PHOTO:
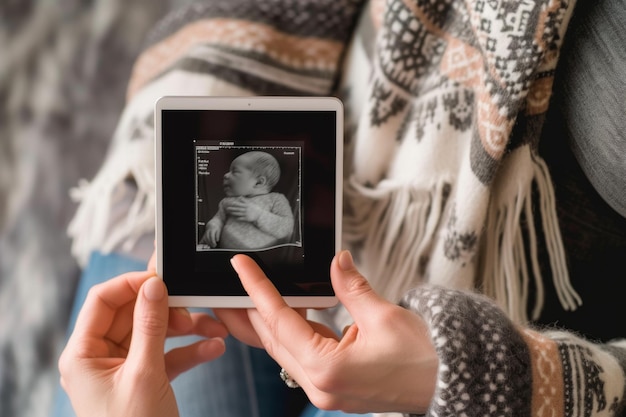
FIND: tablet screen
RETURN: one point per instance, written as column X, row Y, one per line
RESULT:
column 259, row 178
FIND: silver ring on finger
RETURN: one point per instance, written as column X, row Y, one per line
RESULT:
column 288, row 380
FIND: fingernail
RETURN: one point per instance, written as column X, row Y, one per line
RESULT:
column 153, row 289
column 233, row 262
column 345, row 260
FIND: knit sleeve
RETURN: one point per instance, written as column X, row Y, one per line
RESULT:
column 492, row 367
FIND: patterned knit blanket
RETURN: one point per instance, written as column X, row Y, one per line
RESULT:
column 442, row 173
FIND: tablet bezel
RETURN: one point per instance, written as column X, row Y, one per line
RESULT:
column 273, row 103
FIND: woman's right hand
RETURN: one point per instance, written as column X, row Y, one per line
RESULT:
column 385, row 361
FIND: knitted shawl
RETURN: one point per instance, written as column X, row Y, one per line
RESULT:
column 445, row 191
column 444, row 157
column 441, row 162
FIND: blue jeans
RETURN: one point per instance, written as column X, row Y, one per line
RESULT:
column 244, row 382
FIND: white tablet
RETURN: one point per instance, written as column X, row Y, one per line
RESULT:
column 254, row 175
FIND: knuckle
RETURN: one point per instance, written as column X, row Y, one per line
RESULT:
column 269, row 344
column 357, row 284
column 151, row 323
column 272, row 319
column 63, row 364
column 63, row 384
column 71, row 359
column 94, row 291
column 76, row 349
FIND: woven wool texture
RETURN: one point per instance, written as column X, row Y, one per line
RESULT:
column 489, row 366
column 443, row 156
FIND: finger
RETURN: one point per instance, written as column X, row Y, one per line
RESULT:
column 150, row 321
column 152, row 262
column 182, row 359
column 207, row 326
column 286, row 326
column 181, row 323
column 238, row 324
column 279, row 352
column 263, row 331
column 353, row 290
column 296, row 367
column 104, row 300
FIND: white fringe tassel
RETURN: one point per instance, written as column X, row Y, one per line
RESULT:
column 568, row 296
column 94, row 226
column 506, row 257
column 390, row 228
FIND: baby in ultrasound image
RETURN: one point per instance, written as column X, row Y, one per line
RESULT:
column 251, row 216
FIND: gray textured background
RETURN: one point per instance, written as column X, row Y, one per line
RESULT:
column 64, row 66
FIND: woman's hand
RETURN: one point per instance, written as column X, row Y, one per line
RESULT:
column 385, row 361
column 114, row 363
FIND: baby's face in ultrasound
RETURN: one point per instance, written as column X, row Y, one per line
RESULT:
column 240, row 180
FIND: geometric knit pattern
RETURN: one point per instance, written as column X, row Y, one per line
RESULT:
column 498, row 57
column 484, row 362
column 490, row 367
column 585, row 392
column 273, row 47
column 445, row 149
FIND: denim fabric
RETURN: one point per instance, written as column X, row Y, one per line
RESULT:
column 99, row 269
column 242, row 383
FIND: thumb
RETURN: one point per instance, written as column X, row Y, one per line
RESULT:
column 150, row 319
column 352, row 289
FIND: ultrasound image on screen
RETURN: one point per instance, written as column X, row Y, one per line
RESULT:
column 257, row 182
column 247, row 196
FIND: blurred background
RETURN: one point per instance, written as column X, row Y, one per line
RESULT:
column 64, row 67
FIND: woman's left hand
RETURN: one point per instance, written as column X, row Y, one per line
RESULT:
column 385, row 361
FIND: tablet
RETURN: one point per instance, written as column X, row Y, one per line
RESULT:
column 255, row 175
